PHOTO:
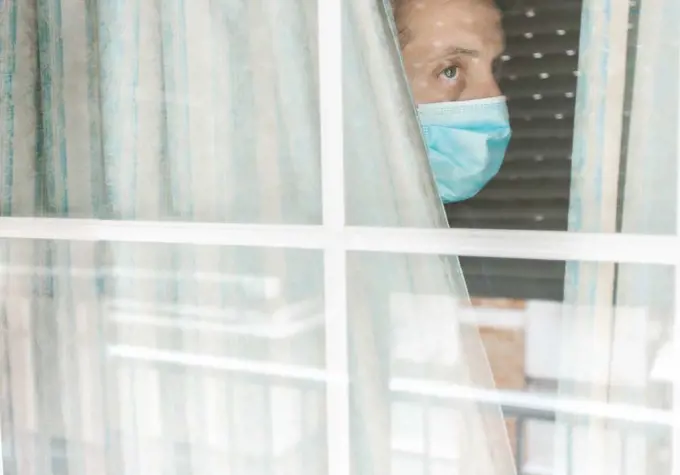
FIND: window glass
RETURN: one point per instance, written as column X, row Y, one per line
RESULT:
column 161, row 359
column 593, row 147
column 155, row 358
column 186, row 111
column 579, row 385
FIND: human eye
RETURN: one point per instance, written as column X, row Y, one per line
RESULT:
column 450, row 73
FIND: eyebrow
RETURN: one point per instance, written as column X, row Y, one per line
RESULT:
column 458, row 51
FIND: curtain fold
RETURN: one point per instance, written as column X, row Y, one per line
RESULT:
column 393, row 167
column 148, row 359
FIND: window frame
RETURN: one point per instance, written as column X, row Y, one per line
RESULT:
column 336, row 239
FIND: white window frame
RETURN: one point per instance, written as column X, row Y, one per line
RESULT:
column 675, row 341
column 676, row 322
column 335, row 239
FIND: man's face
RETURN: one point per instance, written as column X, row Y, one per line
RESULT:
column 451, row 49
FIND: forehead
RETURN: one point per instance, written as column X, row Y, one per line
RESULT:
column 469, row 24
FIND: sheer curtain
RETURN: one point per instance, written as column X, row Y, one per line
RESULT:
column 163, row 358
column 619, row 317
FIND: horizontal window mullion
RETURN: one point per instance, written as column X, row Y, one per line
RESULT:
column 511, row 244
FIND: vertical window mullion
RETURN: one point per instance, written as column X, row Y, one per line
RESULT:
column 675, row 344
column 335, row 258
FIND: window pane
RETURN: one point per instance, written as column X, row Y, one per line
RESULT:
column 153, row 359
column 594, row 125
column 191, row 110
column 406, row 347
column 580, row 386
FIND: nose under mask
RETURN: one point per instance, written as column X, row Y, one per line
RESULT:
column 466, row 143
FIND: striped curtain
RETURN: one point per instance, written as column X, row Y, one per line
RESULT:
column 172, row 359
column 623, row 180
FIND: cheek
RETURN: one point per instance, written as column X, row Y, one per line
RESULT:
column 446, row 90
column 413, row 67
column 416, row 79
column 425, row 92
column 422, row 90
column 421, row 84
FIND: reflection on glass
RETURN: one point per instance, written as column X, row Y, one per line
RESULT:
column 579, row 386
column 143, row 359
column 431, row 370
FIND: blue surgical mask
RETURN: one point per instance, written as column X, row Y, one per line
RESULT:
column 466, row 143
